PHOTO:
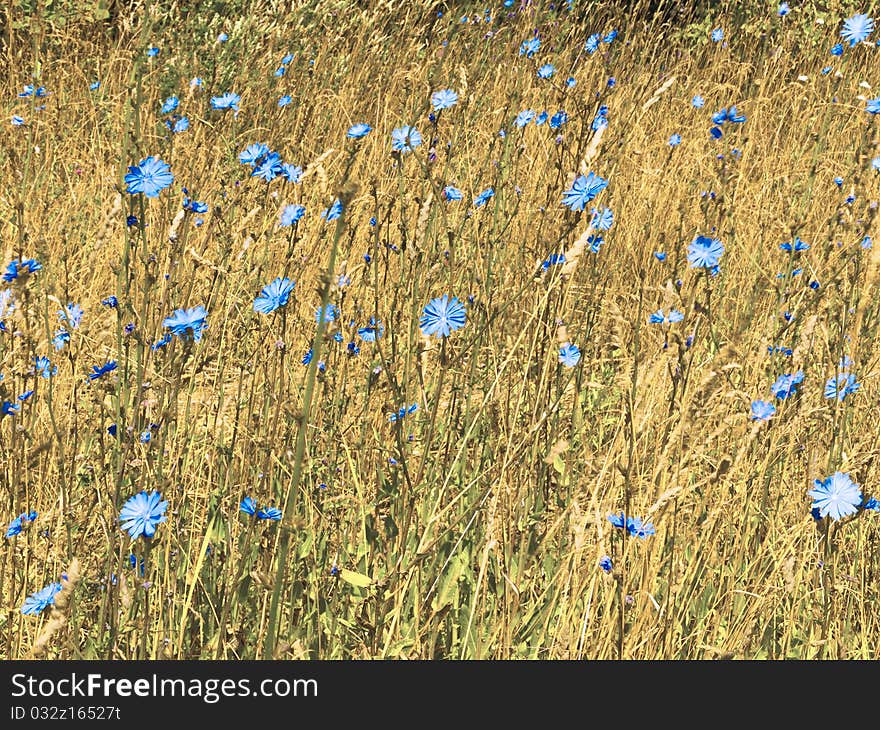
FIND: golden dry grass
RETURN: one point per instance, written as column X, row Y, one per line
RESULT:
column 472, row 528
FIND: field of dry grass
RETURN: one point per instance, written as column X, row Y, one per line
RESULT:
column 476, row 525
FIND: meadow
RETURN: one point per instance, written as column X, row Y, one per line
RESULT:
column 425, row 330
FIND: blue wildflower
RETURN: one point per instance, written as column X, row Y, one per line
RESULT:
column 705, row 252
column 187, row 323
column 273, row 295
column 443, row 99
column 329, row 313
column 452, row 193
column 39, row 601
column 101, row 370
column 841, row 385
column 442, row 316
column 229, row 100
column 569, row 355
column 762, row 410
column 583, row 190
column 358, row 131
column 481, row 199
column 17, row 269
column 292, row 214
column 786, row 385
column 142, row 513
column 252, row 153
column 149, row 177
column 405, row 139
column 836, row 496
column 659, row 317
column 857, row 29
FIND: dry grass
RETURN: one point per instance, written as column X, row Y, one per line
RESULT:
column 473, row 527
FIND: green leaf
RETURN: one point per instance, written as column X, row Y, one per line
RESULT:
column 356, row 579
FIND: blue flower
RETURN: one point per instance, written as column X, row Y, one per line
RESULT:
column 592, row 44
column 170, row 104
column 583, row 190
column 443, row 99
column 273, row 295
column 786, row 385
column 72, row 313
column 269, row 513
column 554, row 259
column 569, row 355
column 481, row 199
column 762, row 410
column 101, row 370
column 269, row 167
column 836, row 496
column 558, row 119
column 291, row 173
column 660, row 318
column 330, row 313
column 61, row 338
column 142, row 513
column 841, row 385
column 529, row 48
column 541, row 118
column 442, row 316
column 292, row 214
column 546, row 71
column 783, row 10
column 605, row 563
column 252, row 153
column 159, row 344
column 248, row 506
column 37, row 602
column 404, row 411
column 94, row 86
column 873, row 106
column 44, row 368
column 452, row 193
column 149, row 176
column 697, row 102
column 799, row 245
column 18, row 268
column 602, row 220
column 675, row 140
column 635, row 526
column 16, row 526
column 371, row 332
column 229, row 100
column 334, row 211
column 8, row 408
column 358, row 131
column 705, row 252
column 187, row 323
column 283, row 101
column 857, row 29
column 405, row 139
column 717, row 35
column 836, row 50
column 523, row 118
